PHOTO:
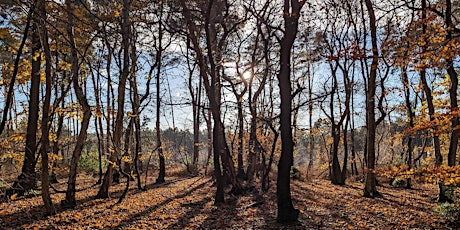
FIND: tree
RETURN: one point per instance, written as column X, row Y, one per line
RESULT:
column 291, row 15
column 27, row 179
column 339, row 58
column 209, row 71
column 81, row 97
column 195, row 95
column 454, row 109
column 261, row 41
column 370, row 188
column 118, row 132
column 45, row 126
column 159, row 56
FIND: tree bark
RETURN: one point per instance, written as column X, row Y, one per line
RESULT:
column 118, row 131
column 27, row 179
column 453, row 146
column 162, row 170
column 370, row 189
column 69, row 201
column 410, row 113
column 45, row 145
column 212, row 83
column 286, row 210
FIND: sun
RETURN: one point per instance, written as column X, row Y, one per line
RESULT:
column 247, row 75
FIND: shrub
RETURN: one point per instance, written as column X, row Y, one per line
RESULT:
column 399, row 183
column 89, row 162
column 295, row 173
column 449, row 211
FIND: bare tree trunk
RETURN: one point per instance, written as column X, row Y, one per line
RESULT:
column 212, row 83
column 126, row 172
column 266, row 174
column 69, row 201
column 45, row 146
column 240, row 173
column 98, row 121
column 453, row 146
column 311, row 137
column 286, row 210
column 255, row 147
column 126, row 35
column 27, row 180
column 207, row 119
column 410, row 113
column 162, row 170
column 370, row 189
column 196, row 102
column 136, row 104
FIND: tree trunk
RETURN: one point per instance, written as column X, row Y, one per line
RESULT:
column 126, row 170
column 27, row 180
column 45, row 145
column 212, row 83
column 453, row 146
column 136, row 104
column 118, row 131
column 27, row 177
column 162, row 170
column 196, row 125
column 255, row 148
column 286, row 210
column 240, row 173
column 370, row 189
column 311, row 137
column 69, row 201
column 213, row 88
column 336, row 173
column 98, row 121
column 207, row 119
column 10, row 92
column 410, row 113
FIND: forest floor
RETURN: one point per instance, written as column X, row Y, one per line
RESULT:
column 187, row 203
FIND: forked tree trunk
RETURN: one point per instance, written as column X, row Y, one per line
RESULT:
column 213, row 87
column 118, row 131
column 45, row 146
column 212, row 82
column 69, row 201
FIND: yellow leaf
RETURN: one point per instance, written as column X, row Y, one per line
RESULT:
column 126, row 159
column 3, row 32
column 13, row 197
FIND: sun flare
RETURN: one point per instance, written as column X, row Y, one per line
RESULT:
column 247, row 75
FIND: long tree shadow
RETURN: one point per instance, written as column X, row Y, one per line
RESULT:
column 137, row 216
column 33, row 214
column 134, row 190
column 193, row 209
column 335, row 207
column 220, row 216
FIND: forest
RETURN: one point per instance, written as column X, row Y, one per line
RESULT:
column 217, row 114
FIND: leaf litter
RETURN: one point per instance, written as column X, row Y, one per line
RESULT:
column 187, row 203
